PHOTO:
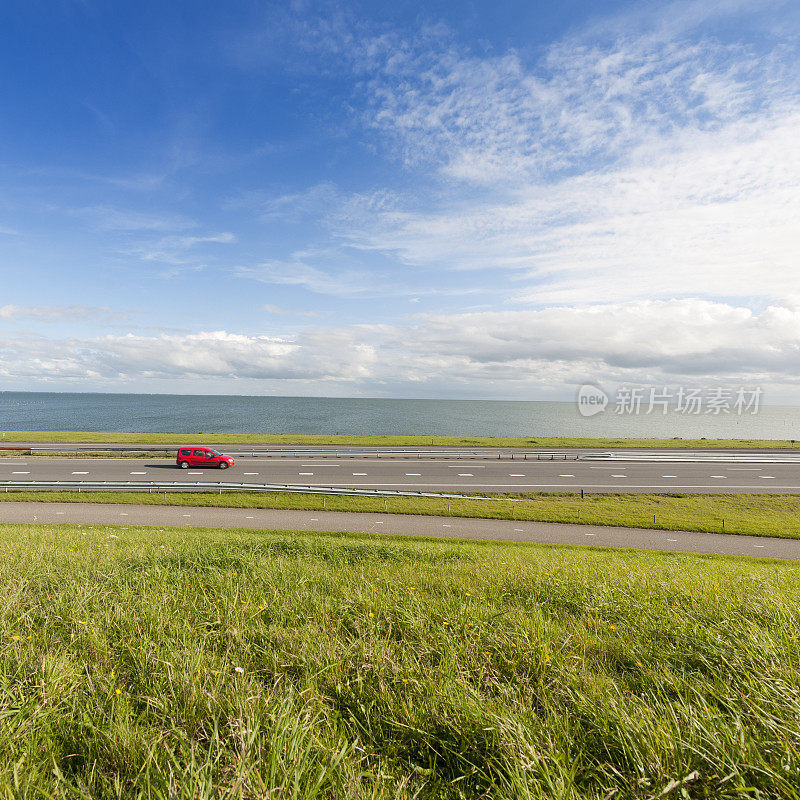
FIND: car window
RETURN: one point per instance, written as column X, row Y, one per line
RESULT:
column 186, row 452
column 198, row 454
column 209, row 454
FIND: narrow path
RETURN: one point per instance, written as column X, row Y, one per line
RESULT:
column 401, row 524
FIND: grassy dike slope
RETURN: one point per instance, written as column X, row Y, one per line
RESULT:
column 196, row 664
column 97, row 437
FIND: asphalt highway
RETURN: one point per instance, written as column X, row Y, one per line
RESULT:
column 496, row 471
column 435, row 472
column 400, row 524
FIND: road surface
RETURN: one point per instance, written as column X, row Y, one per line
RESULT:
column 451, row 470
column 401, row 524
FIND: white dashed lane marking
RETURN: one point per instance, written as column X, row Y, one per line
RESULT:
column 251, row 473
column 465, row 475
column 516, row 475
column 305, row 473
column 138, row 473
column 719, row 476
column 359, row 473
column 408, row 474
column 80, row 473
column 669, row 476
column 20, row 473
column 619, row 476
column 566, row 476
column 769, row 477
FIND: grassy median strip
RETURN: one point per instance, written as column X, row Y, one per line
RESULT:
column 144, row 662
column 753, row 514
column 97, row 437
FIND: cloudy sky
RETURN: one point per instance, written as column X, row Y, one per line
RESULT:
column 439, row 199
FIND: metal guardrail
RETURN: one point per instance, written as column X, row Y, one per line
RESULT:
column 695, row 458
column 219, row 487
column 456, row 455
column 544, row 455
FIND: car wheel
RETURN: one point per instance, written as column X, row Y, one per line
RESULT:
column 184, row 465
column 223, row 465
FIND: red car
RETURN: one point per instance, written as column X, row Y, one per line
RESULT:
column 202, row 457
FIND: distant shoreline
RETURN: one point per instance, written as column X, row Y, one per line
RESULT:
column 386, row 440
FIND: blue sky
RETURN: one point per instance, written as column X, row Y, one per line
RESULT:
column 422, row 200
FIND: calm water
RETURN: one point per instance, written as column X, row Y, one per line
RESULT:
column 195, row 414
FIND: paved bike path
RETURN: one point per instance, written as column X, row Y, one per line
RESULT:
column 400, row 524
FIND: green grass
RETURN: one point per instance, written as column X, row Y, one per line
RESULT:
column 753, row 514
column 387, row 668
column 96, row 437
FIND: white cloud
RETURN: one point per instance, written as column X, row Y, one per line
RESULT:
column 273, row 309
column 73, row 313
column 333, row 356
column 655, row 164
column 288, row 207
column 176, row 250
column 109, row 218
column 519, row 354
column 342, row 283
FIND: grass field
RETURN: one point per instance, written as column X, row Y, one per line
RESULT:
column 95, row 437
column 196, row 664
column 753, row 514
